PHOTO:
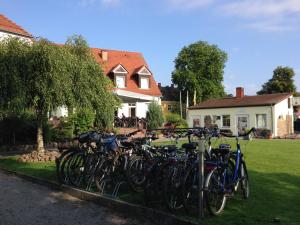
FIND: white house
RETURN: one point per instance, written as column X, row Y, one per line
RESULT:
column 10, row 29
column 270, row 111
column 134, row 81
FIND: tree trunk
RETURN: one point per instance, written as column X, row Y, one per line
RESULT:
column 40, row 138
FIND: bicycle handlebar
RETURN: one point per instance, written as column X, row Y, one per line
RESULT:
column 252, row 130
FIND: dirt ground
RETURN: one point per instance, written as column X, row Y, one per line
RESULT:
column 25, row 203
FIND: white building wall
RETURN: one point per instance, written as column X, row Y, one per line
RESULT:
column 4, row 35
column 281, row 109
column 233, row 112
column 123, row 110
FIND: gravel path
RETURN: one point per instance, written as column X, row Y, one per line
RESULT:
column 25, row 203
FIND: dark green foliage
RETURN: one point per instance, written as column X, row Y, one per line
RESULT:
column 176, row 120
column 281, row 82
column 200, row 67
column 83, row 120
column 64, row 131
column 21, row 128
column 154, row 116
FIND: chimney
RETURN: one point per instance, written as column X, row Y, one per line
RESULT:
column 239, row 92
column 104, row 55
column 159, row 85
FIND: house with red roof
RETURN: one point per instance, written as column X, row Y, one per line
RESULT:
column 273, row 112
column 10, row 29
column 134, row 82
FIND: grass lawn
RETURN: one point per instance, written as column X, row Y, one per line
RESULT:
column 274, row 170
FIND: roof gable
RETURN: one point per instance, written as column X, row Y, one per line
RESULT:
column 246, row 101
column 119, row 69
column 144, row 71
column 9, row 26
column 132, row 62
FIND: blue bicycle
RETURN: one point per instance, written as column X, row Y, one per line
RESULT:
column 229, row 174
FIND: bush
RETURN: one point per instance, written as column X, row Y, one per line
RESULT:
column 175, row 120
column 82, row 120
column 64, row 131
column 20, row 128
column 154, row 116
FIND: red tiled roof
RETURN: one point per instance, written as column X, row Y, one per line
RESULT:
column 10, row 27
column 131, row 61
column 246, row 101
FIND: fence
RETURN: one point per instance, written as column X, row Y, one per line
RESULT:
column 130, row 122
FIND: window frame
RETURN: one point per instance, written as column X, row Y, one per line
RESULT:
column 222, row 117
column 266, row 120
column 124, row 79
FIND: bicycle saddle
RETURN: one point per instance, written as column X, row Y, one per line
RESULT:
column 190, row 146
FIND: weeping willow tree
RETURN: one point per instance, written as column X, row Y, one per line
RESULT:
column 43, row 76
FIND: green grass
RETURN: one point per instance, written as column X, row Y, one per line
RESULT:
column 274, row 170
column 45, row 170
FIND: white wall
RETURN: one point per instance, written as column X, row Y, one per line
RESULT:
column 4, row 35
column 141, row 108
column 60, row 112
column 281, row 110
column 233, row 112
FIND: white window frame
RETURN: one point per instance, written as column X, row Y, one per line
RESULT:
column 266, row 120
column 148, row 82
column 223, row 121
column 124, row 81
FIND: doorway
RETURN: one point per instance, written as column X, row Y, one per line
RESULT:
column 242, row 123
column 132, row 110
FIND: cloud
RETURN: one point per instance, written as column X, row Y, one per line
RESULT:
column 265, row 15
column 188, row 4
column 107, row 3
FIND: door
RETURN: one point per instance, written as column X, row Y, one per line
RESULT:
column 132, row 109
column 132, row 112
column 242, row 123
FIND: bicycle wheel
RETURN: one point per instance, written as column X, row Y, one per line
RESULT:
column 136, row 174
column 75, row 169
column 190, row 191
column 172, row 188
column 244, row 183
column 214, row 195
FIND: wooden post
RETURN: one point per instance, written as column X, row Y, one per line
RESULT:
column 201, row 179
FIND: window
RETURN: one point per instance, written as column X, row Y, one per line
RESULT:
column 261, row 120
column 169, row 108
column 226, row 120
column 120, row 81
column 144, row 82
column 196, row 122
column 289, row 103
column 215, row 118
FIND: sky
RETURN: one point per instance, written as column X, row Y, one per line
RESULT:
column 258, row 35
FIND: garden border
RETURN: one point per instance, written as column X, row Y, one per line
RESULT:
column 127, row 209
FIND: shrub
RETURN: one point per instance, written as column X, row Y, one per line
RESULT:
column 176, row 120
column 154, row 116
column 20, row 128
column 64, row 131
column 82, row 120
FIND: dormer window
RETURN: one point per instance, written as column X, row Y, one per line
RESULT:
column 144, row 77
column 144, row 82
column 120, row 75
column 120, row 81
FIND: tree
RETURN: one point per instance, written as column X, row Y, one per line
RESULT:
column 154, row 116
column 281, row 82
column 43, row 76
column 200, row 67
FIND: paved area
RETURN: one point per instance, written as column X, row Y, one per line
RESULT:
column 25, row 203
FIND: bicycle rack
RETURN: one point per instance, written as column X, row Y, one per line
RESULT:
column 116, row 189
